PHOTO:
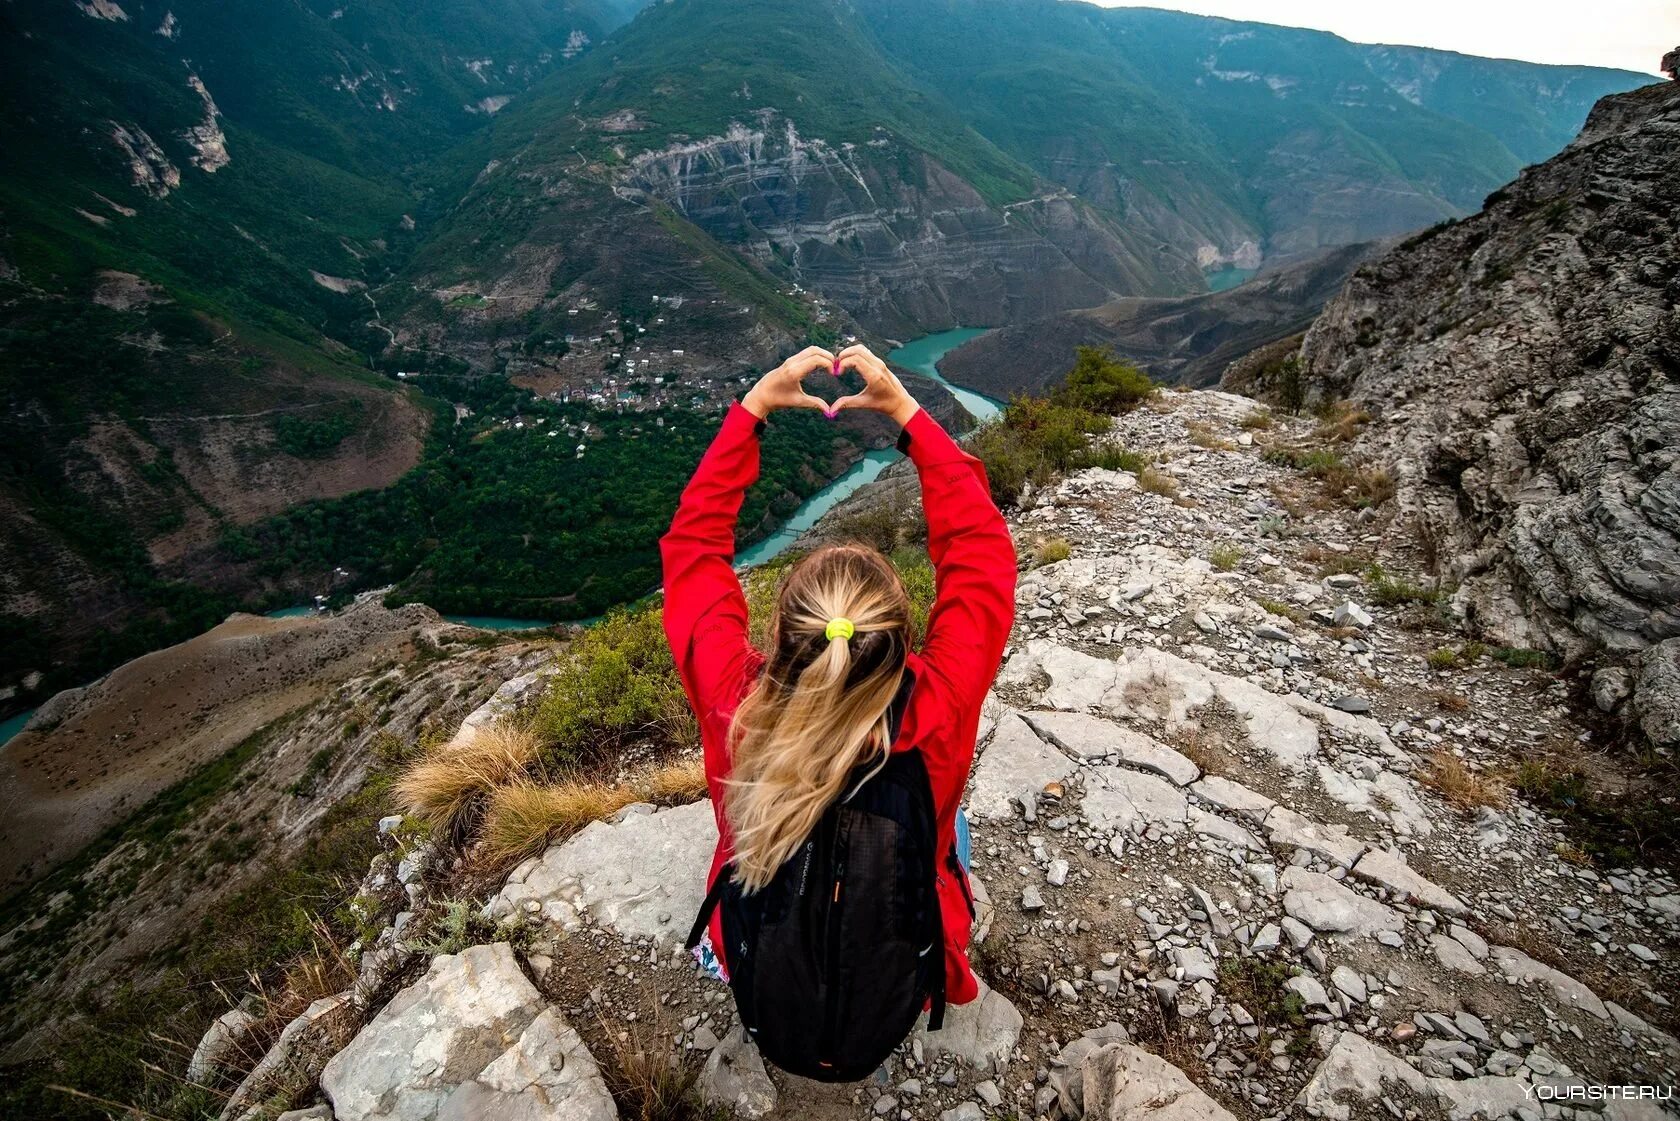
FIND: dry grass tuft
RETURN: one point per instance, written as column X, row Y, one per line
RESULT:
column 448, row 788
column 1258, row 419
column 682, row 780
column 1158, row 482
column 1342, row 422
column 1468, row 789
column 646, row 1076
column 1050, row 550
column 1448, row 701
column 524, row 816
column 1202, row 435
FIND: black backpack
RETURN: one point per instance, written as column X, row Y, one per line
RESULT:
column 833, row 960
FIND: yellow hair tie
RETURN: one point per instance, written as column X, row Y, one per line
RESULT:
column 839, row 628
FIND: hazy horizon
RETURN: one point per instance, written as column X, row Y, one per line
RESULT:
column 1624, row 34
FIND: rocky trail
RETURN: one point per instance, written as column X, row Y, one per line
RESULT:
column 1227, row 835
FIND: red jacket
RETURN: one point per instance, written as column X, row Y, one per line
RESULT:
column 974, row 606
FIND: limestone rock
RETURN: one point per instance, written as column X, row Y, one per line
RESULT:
column 222, row 1038
column 546, row 1075
column 643, row 876
column 734, row 1077
column 1228, row 794
column 1520, row 967
column 1123, row 1082
column 1118, row 799
column 981, row 1033
column 434, row 1036
column 1535, row 428
column 1015, row 761
column 1290, row 829
column 1383, row 867
column 1356, row 1069
column 1089, row 737
column 1329, row 908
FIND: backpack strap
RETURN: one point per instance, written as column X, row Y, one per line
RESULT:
column 936, row 1009
column 713, row 895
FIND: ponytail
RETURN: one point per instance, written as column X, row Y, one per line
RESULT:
column 820, row 709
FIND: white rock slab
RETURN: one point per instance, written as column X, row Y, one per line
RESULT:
column 1358, row 1069
column 1123, row 1082
column 435, row 1035
column 1290, row 829
column 643, row 876
column 1329, row 908
column 548, row 1075
column 1229, row 794
column 1520, row 967
column 1091, row 737
column 1015, row 760
column 1453, row 955
column 1380, row 866
column 1119, row 800
column 1212, row 825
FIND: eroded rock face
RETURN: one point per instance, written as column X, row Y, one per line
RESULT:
column 1521, row 367
column 890, row 234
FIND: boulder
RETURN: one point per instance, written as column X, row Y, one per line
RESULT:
column 1326, row 906
column 546, row 1075
column 1015, row 761
column 643, row 876
column 734, row 1078
column 981, row 1033
column 1117, row 799
column 445, row 1030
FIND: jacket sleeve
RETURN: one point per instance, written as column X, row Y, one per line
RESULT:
column 705, row 610
column 973, row 566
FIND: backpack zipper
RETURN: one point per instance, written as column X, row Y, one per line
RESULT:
column 831, row 956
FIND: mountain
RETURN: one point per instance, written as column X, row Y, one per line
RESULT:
column 194, row 200
column 1187, row 340
column 1521, row 368
column 296, row 297
column 977, row 161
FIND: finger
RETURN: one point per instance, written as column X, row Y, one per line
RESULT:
column 807, row 401
column 850, row 401
column 807, row 362
column 871, row 367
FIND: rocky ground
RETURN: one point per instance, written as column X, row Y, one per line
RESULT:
column 1232, row 869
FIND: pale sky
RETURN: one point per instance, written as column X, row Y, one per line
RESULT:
column 1627, row 34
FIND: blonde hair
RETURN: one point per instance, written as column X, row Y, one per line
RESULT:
column 820, row 708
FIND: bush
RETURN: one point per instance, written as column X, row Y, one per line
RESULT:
column 1032, row 442
column 1102, row 383
column 1225, row 556
column 1518, row 658
column 616, row 681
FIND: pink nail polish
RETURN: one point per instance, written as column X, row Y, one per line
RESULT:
column 829, row 413
column 836, row 369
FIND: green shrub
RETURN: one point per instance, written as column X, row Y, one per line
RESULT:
column 1395, row 590
column 1225, row 556
column 1033, row 441
column 1519, row 658
column 616, row 680
column 1102, row 383
column 1112, row 457
column 1444, row 657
